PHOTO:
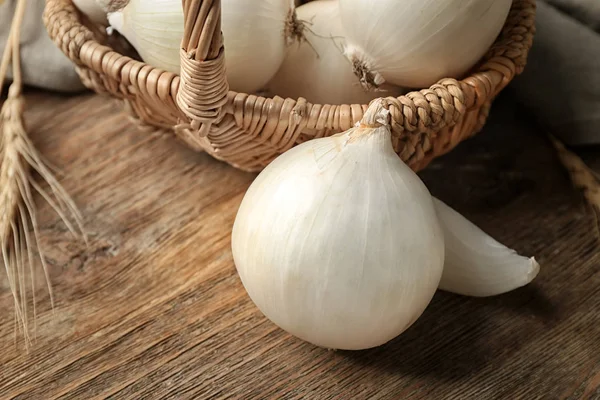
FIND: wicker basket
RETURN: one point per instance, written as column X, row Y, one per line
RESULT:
column 248, row 131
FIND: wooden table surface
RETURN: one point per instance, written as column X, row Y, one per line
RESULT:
column 154, row 309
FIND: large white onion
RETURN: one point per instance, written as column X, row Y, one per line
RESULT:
column 414, row 43
column 316, row 68
column 337, row 241
column 254, row 35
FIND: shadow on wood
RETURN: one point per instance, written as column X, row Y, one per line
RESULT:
column 448, row 344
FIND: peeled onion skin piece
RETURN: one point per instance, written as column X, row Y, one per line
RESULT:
column 476, row 264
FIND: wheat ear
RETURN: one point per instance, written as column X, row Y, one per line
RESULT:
column 582, row 177
column 19, row 230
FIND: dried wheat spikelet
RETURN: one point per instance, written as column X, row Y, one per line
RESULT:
column 581, row 175
column 19, row 231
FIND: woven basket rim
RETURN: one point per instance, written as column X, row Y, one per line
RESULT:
column 480, row 66
column 426, row 111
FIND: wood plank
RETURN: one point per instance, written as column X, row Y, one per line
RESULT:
column 153, row 307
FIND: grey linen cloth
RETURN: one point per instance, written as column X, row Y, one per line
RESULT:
column 586, row 11
column 561, row 83
column 42, row 63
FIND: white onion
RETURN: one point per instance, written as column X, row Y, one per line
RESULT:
column 316, row 68
column 414, row 43
column 337, row 241
column 253, row 30
column 154, row 28
column 255, row 42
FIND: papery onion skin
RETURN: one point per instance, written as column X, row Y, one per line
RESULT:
column 316, row 68
column 253, row 32
column 415, row 43
column 254, row 47
column 338, row 243
column 154, row 28
column 475, row 263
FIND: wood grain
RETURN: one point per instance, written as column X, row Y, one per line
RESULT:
column 153, row 308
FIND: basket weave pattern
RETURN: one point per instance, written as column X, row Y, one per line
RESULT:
column 249, row 131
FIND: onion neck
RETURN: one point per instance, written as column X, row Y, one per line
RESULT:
column 375, row 121
column 293, row 31
column 362, row 66
column 377, row 115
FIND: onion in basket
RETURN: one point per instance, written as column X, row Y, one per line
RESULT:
column 315, row 68
column 414, row 43
column 253, row 30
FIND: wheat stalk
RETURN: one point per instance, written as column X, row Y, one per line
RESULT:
column 19, row 230
column 582, row 177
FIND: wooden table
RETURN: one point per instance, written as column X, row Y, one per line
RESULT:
column 154, row 309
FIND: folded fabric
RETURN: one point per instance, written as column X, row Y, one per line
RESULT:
column 43, row 64
column 586, row 11
column 561, row 83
